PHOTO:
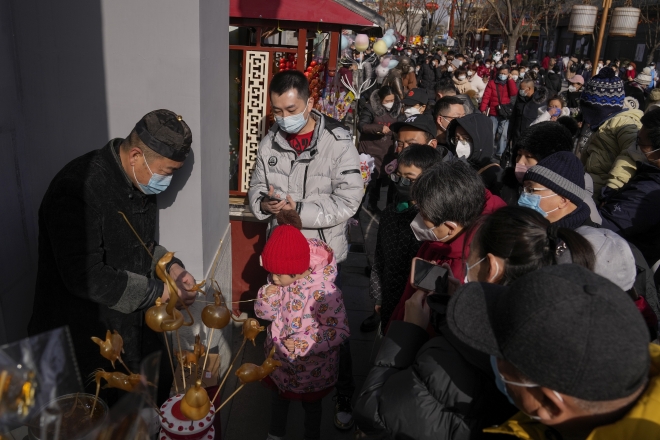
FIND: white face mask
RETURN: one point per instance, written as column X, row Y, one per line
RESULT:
column 450, row 69
column 389, row 105
column 470, row 73
column 460, row 63
column 463, row 149
column 411, row 111
column 488, row 65
column 572, row 89
column 522, row 93
column 468, row 268
column 498, row 65
column 423, row 232
column 461, row 78
column 522, row 74
column 514, row 77
column 442, row 63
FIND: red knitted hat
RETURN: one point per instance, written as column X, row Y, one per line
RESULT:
column 287, row 250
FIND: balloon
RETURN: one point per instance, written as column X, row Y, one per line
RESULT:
column 389, row 40
column 344, row 42
column 380, row 47
column 381, row 71
column 385, row 61
column 392, row 64
column 361, row 42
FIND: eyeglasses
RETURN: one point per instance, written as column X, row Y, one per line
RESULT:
column 403, row 180
column 450, row 118
column 532, row 190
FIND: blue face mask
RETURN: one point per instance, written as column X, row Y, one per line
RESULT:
column 498, row 379
column 156, row 185
column 533, row 201
column 292, row 124
column 503, row 77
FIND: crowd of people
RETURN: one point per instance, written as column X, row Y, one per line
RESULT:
column 514, row 91
column 547, row 325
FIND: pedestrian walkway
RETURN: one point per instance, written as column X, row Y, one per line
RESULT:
column 248, row 415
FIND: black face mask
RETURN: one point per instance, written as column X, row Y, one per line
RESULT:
column 403, row 191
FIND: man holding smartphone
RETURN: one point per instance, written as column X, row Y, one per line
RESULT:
column 307, row 162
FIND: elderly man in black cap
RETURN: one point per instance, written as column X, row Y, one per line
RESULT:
column 569, row 349
column 94, row 273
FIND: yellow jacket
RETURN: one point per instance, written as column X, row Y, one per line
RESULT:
column 604, row 146
column 641, row 423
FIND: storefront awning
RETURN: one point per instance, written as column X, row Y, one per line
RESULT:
column 348, row 12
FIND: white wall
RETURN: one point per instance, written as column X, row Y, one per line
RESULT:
column 76, row 73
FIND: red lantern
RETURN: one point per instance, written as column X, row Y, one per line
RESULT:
column 432, row 6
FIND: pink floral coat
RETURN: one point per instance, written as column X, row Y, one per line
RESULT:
column 311, row 311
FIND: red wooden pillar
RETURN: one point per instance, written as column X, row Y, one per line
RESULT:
column 334, row 48
column 302, row 49
column 451, row 18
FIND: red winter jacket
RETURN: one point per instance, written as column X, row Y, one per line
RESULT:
column 490, row 100
column 450, row 253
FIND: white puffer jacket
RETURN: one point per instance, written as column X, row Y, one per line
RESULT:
column 544, row 116
column 325, row 180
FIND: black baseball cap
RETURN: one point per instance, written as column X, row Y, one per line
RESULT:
column 420, row 122
column 562, row 326
column 416, row 96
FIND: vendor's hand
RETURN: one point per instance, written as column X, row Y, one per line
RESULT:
column 378, row 308
column 289, row 204
column 270, row 205
column 270, row 290
column 386, row 129
column 289, row 344
column 184, row 282
column 418, row 311
column 452, row 282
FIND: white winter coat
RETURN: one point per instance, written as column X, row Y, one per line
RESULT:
column 325, row 180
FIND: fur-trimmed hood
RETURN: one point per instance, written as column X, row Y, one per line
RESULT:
column 378, row 109
column 540, row 95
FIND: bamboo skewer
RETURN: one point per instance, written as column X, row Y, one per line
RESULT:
column 169, row 355
column 229, row 369
column 209, row 338
column 228, row 398
column 183, row 374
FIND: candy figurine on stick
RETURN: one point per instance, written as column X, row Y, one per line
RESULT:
column 112, row 347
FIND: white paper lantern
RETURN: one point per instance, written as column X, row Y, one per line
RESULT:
column 487, row 37
column 624, row 21
column 477, row 37
column 583, row 19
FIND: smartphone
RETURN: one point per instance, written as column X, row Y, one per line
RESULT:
column 265, row 194
column 428, row 276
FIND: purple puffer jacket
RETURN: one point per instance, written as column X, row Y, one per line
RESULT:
column 311, row 311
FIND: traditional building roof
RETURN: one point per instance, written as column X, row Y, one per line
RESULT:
column 348, row 12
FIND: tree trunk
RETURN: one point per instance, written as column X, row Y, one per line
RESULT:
column 511, row 43
column 651, row 56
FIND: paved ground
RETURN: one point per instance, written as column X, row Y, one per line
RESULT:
column 249, row 412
